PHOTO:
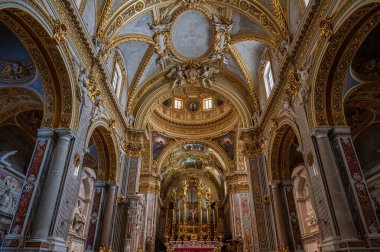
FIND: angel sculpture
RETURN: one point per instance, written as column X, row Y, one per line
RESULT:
column 178, row 72
column 207, row 75
column 83, row 82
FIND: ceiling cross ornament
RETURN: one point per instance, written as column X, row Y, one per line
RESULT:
column 199, row 67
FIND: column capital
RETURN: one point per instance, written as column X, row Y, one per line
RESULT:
column 45, row 133
column 321, row 131
column 253, row 142
column 275, row 183
column 287, row 183
column 343, row 131
column 65, row 134
column 149, row 183
column 237, row 182
column 111, row 183
column 134, row 142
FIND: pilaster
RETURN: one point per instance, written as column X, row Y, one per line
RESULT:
column 241, row 205
column 41, row 238
column 136, row 205
column 150, row 188
column 30, row 195
column 335, row 220
column 351, row 174
column 262, row 219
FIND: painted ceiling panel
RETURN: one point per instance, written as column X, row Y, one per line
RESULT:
column 133, row 52
column 243, row 25
column 139, row 25
column 151, row 69
column 250, row 52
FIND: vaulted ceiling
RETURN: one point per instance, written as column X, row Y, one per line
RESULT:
column 193, row 44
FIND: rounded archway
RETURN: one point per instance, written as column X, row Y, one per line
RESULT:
column 36, row 92
column 334, row 67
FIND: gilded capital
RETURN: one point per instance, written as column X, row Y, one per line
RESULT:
column 253, row 143
column 149, row 183
column 237, row 182
column 134, row 142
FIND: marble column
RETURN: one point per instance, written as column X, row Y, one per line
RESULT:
column 279, row 213
column 105, row 236
column 31, row 188
column 362, row 210
column 50, row 192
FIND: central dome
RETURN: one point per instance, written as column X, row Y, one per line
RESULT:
column 191, row 34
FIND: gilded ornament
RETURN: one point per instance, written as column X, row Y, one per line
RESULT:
column 59, row 31
column 139, row 6
column 266, row 199
column 326, row 29
column 121, row 199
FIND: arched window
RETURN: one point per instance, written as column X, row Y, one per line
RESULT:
column 306, row 2
column 268, row 78
column 117, row 79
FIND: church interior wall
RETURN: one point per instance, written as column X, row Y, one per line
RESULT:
column 189, row 148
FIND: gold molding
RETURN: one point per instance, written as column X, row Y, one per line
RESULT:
column 130, row 37
column 252, row 37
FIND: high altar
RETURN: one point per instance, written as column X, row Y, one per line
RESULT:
column 192, row 218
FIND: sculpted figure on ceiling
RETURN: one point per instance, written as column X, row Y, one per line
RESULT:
column 201, row 70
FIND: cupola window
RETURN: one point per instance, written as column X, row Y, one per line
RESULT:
column 207, row 103
column 177, row 104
